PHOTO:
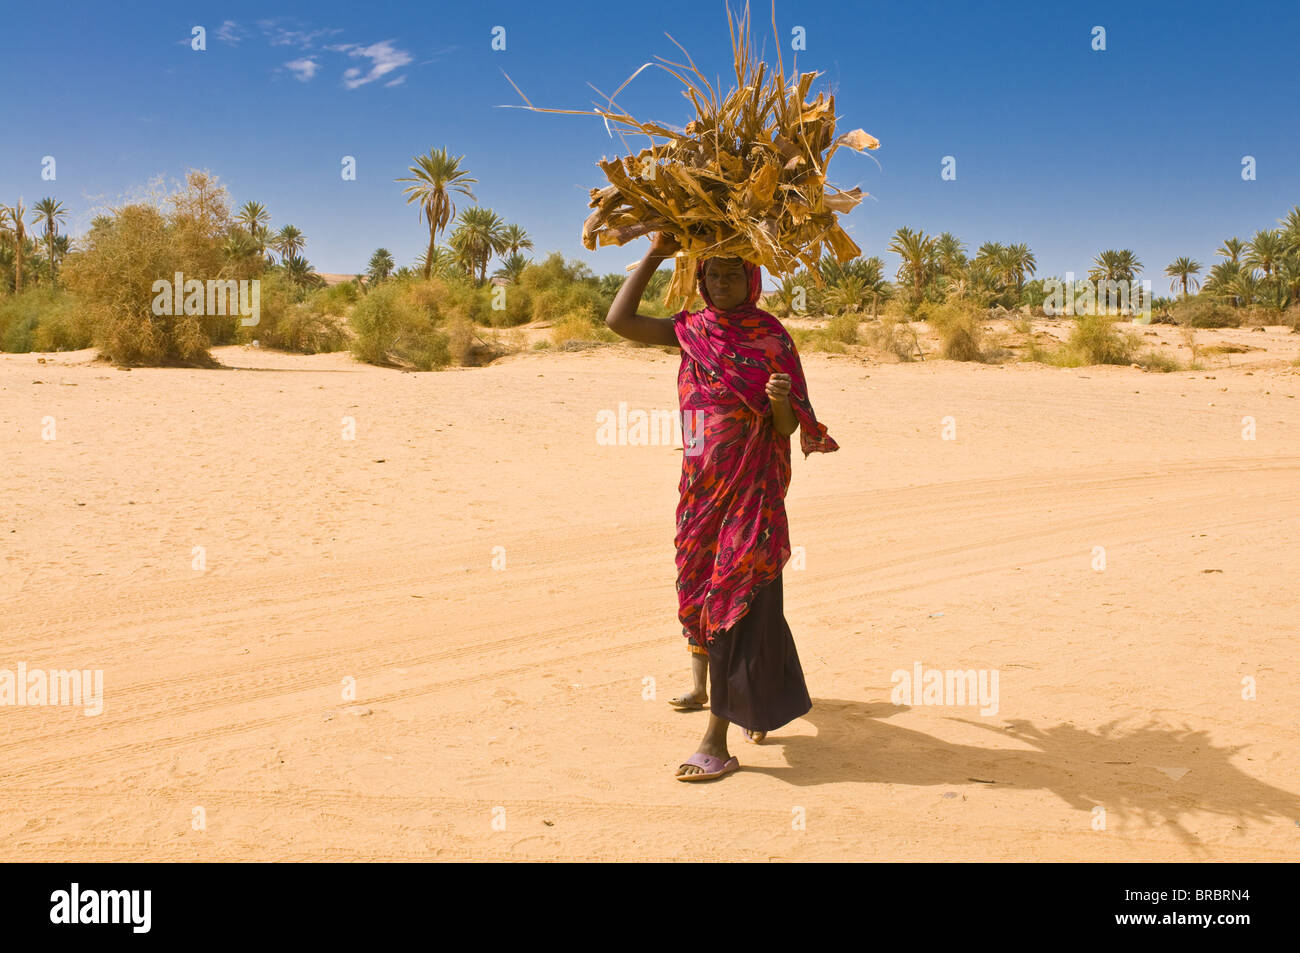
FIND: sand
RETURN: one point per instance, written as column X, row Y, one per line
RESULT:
column 520, row 711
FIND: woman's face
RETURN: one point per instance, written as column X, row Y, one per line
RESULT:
column 727, row 282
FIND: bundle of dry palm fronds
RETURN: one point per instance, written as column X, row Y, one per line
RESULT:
column 746, row 178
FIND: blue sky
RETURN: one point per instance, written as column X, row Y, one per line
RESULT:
column 1068, row 149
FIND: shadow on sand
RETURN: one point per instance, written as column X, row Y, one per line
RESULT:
column 1134, row 773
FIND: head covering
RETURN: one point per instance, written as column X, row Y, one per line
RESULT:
column 744, row 346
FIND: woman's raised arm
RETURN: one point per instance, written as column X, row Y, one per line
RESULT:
column 623, row 319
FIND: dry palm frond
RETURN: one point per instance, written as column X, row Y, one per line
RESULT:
column 746, row 178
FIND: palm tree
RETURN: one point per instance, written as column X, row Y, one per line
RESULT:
column 49, row 212
column 515, row 239
column 252, row 216
column 1182, row 271
column 381, row 265
column 950, row 255
column 1264, row 251
column 1291, row 229
column 288, row 242
column 482, row 236
column 917, row 251
column 1019, row 262
column 300, row 272
column 514, row 266
column 1120, row 267
column 16, row 232
column 437, row 262
column 848, row 294
column 1245, row 287
column 1219, row 282
column 255, row 219
column 433, row 178
column 238, row 246
column 1111, row 265
column 1288, row 273
column 61, row 248
column 460, row 256
column 1230, row 249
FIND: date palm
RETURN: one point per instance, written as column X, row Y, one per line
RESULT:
column 13, row 226
column 1245, row 287
column 252, row 216
column 437, row 262
column 917, row 251
column 1113, row 265
column 1288, row 273
column 1183, row 271
column 49, row 213
column 238, row 246
column 1219, row 280
column 482, row 235
column 516, row 239
column 433, row 178
column 1019, row 263
column 513, row 266
column 1264, row 250
column 848, row 294
column 301, row 273
column 950, row 255
column 1291, row 229
column 255, row 219
column 1231, row 250
column 381, row 265
column 288, row 242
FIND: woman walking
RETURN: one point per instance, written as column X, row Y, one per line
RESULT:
column 742, row 393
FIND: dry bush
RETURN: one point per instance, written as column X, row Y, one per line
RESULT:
column 844, row 327
column 114, row 280
column 581, row 324
column 895, row 337
column 959, row 328
column 1095, row 340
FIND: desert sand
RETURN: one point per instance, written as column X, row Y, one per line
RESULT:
column 519, row 710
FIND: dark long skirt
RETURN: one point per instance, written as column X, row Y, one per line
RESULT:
column 757, row 679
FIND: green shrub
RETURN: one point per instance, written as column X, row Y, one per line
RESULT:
column 42, row 319
column 1154, row 360
column 959, row 328
column 314, row 325
column 114, row 279
column 1094, row 340
column 392, row 328
column 581, row 324
column 556, row 288
column 816, row 339
column 1202, row 311
column 844, row 327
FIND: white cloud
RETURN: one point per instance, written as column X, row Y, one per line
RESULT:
column 303, row 69
column 384, row 58
column 397, row 82
column 281, row 36
column 230, row 32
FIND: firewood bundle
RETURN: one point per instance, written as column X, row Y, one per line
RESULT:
column 747, row 178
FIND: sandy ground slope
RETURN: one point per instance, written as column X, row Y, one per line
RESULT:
column 536, row 693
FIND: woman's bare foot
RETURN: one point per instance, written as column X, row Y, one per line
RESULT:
column 755, row 736
column 691, row 700
column 698, row 696
column 714, row 744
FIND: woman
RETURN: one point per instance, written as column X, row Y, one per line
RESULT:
column 742, row 394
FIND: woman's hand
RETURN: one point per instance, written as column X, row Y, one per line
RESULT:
column 664, row 245
column 778, row 392
column 778, row 387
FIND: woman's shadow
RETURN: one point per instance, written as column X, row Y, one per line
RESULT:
column 1151, row 774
